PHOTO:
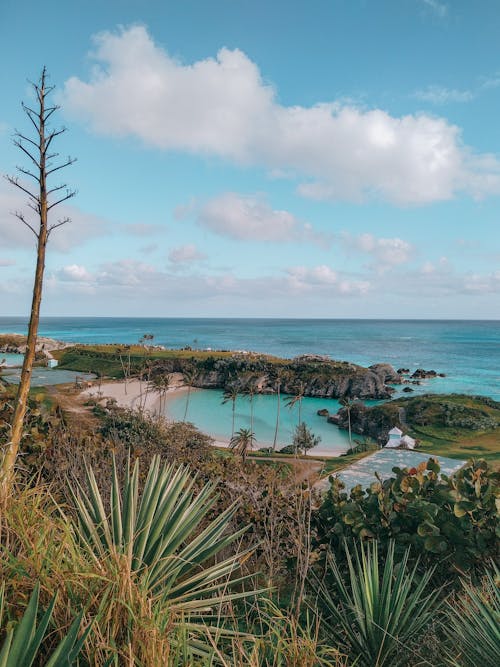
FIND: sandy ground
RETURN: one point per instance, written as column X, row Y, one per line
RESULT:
column 132, row 394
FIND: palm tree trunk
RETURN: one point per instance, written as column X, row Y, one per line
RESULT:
column 232, row 426
column 187, row 403
column 277, row 420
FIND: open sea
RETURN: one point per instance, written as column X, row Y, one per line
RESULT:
column 467, row 351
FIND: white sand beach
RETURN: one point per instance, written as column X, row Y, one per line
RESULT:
column 133, row 393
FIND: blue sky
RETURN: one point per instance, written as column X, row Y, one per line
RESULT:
column 337, row 158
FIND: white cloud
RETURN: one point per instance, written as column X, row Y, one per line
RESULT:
column 186, row 254
column 439, row 8
column 386, row 252
column 441, row 95
column 74, row 273
column 323, row 278
column 251, row 218
column 5, row 261
column 221, row 106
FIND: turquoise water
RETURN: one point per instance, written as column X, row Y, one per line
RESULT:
column 11, row 359
column 205, row 409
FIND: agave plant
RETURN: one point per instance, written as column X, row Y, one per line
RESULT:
column 472, row 625
column 154, row 542
column 376, row 615
column 22, row 642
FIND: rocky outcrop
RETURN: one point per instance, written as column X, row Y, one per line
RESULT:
column 387, row 373
column 317, row 377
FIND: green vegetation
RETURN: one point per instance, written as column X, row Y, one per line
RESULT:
column 451, row 425
column 22, row 642
column 168, row 551
column 450, row 522
column 375, row 616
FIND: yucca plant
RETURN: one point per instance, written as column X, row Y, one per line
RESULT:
column 472, row 625
column 154, row 555
column 22, row 642
column 378, row 613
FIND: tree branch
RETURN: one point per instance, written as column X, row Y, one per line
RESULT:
column 28, row 112
column 21, row 217
column 51, row 136
column 27, row 172
column 69, row 194
column 36, row 208
column 50, row 111
column 61, row 166
column 57, row 224
column 15, row 181
column 26, row 152
column 21, row 136
column 59, row 187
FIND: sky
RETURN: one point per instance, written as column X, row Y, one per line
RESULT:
column 247, row 158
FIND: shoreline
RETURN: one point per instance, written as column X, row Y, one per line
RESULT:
column 135, row 398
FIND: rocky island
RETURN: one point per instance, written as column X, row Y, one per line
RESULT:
column 311, row 375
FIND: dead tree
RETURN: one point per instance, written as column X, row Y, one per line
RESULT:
column 43, row 162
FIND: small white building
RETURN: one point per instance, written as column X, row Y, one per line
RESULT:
column 397, row 439
column 394, row 437
column 51, row 363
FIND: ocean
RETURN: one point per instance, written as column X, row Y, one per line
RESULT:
column 468, row 352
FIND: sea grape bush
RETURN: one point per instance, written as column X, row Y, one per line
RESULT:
column 448, row 521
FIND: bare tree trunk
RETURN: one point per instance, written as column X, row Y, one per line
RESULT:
column 40, row 204
column 9, row 460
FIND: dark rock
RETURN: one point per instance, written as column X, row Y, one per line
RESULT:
column 403, row 371
column 334, row 419
column 408, row 389
column 442, row 375
column 323, row 413
column 387, row 373
column 421, row 373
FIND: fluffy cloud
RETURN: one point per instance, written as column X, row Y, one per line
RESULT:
column 324, row 278
column 251, row 218
column 185, row 254
column 221, row 106
column 74, row 273
column 386, row 252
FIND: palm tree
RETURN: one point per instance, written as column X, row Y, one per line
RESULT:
column 347, row 403
column 296, row 398
column 242, row 441
column 280, row 373
column 190, row 376
column 251, row 388
column 231, row 393
column 160, row 384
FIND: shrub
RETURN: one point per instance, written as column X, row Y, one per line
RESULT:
column 451, row 521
